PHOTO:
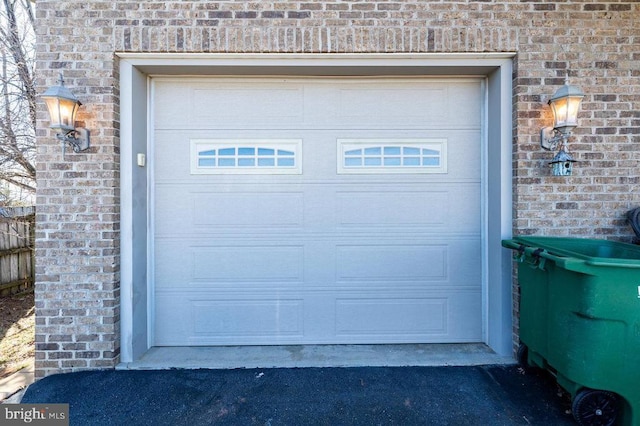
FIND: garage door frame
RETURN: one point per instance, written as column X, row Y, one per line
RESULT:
column 135, row 102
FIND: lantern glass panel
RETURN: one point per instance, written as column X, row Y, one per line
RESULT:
column 566, row 112
column 62, row 112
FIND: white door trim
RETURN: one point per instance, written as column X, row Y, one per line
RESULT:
column 135, row 70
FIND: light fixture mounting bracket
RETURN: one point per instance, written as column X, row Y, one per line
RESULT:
column 550, row 138
column 78, row 139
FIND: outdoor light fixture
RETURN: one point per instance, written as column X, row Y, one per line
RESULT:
column 565, row 104
column 63, row 106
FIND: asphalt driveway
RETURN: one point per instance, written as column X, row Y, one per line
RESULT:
column 479, row 395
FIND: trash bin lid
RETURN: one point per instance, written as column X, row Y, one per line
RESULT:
column 593, row 251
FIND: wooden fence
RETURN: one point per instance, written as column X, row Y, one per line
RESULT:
column 16, row 249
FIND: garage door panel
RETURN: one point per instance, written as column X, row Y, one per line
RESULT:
column 242, row 209
column 385, row 262
column 249, row 264
column 232, row 103
column 357, row 318
column 318, row 150
column 408, row 317
column 469, row 111
column 290, row 103
column 409, row 262
column 276, row 317
column 319, row 257
column 166, row 110
column 182, row 265
column 227, row 104
column 388, row 209
column 214, row 321
column 248, row 209
column 343, row 208
column 463, row 152
column 429, row 210
column 407, row 104
column 430, row 317
column 171, row 156
column 361, row 103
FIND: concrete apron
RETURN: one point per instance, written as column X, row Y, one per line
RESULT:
column 11, row 387
column 228, row 357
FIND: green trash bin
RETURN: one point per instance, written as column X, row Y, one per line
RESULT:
column 580, row 319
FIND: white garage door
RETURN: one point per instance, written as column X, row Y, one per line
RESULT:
column 316, row 211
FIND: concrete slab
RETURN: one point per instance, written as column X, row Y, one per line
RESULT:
column 228, row 357
column 16, row 382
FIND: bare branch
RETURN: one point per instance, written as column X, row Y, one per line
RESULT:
column 28, row 8
column 17, row 94
column 16, row 48
column 17, row 182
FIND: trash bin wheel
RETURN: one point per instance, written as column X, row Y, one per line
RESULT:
column 595, row 408
column 523, row 356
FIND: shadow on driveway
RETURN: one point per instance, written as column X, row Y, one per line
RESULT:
column 481, row 395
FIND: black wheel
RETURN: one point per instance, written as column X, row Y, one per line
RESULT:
column 523, row 356
column 595, row 408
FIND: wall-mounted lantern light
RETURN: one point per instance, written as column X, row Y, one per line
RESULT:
column 63, row 106
column 565, row 104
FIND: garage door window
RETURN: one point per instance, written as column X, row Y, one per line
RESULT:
column 246, row 156
column 392, row 156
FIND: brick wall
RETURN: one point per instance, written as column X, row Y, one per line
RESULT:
column 597, row 43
